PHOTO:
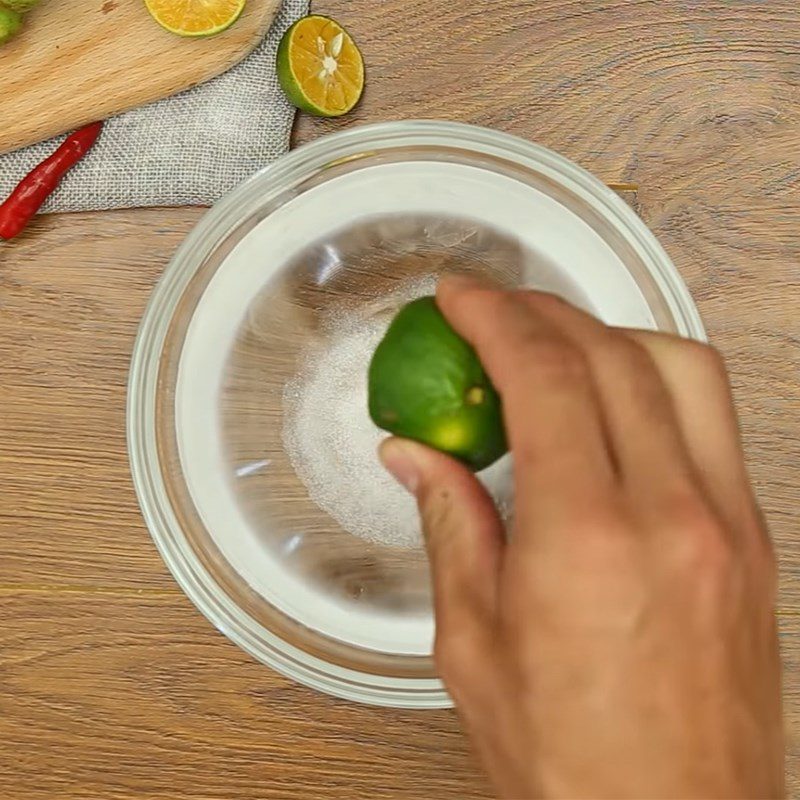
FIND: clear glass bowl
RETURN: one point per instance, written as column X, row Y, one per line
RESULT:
column 250, row 475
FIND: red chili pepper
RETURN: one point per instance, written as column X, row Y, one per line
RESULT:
column 41, row 182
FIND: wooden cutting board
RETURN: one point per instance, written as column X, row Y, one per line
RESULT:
column 81, row 60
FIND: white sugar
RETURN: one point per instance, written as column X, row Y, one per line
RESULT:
column 331, row 440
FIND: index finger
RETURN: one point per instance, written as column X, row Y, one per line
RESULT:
column 552, row 414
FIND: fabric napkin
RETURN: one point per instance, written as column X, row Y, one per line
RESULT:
column 188, row 149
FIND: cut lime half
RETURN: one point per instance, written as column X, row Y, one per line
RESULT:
column 320, row 68
column 195, row 17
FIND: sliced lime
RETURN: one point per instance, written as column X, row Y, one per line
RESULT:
column 320, row 68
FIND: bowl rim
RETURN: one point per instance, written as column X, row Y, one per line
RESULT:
column 212, row 228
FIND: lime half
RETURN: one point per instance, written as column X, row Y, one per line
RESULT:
column 195, row 17
column 320, row 68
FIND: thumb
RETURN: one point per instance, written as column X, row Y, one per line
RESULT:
column 463, row 535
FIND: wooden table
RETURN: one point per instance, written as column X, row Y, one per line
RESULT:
column 111, row 684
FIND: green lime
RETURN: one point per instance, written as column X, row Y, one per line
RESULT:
column 10, row 23
column 320, row 69
column 20, row 6
column 426, row 383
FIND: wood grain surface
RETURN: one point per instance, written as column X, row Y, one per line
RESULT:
column 111, row 684
column 83, row 60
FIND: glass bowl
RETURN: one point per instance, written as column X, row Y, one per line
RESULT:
column 251, row 450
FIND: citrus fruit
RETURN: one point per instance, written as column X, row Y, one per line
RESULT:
column 10, row 23
column 195, row 17
column 426, row 383
column 320, row 69
column 20, row 6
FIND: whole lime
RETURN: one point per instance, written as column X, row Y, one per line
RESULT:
column 10, row 23
column 426, row 383
column 20, row 6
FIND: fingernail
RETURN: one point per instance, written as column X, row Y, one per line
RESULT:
column 395, row 457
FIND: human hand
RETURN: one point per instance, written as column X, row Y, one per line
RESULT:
column 622, row 641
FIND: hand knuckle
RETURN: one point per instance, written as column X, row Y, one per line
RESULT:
column 601, row 536
column 646, row 382
column 615, row 345
column 597, row 521
column 705, row 356
column 555, row 361
column 700, row 540
column 455, row 654
column 638, row 358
